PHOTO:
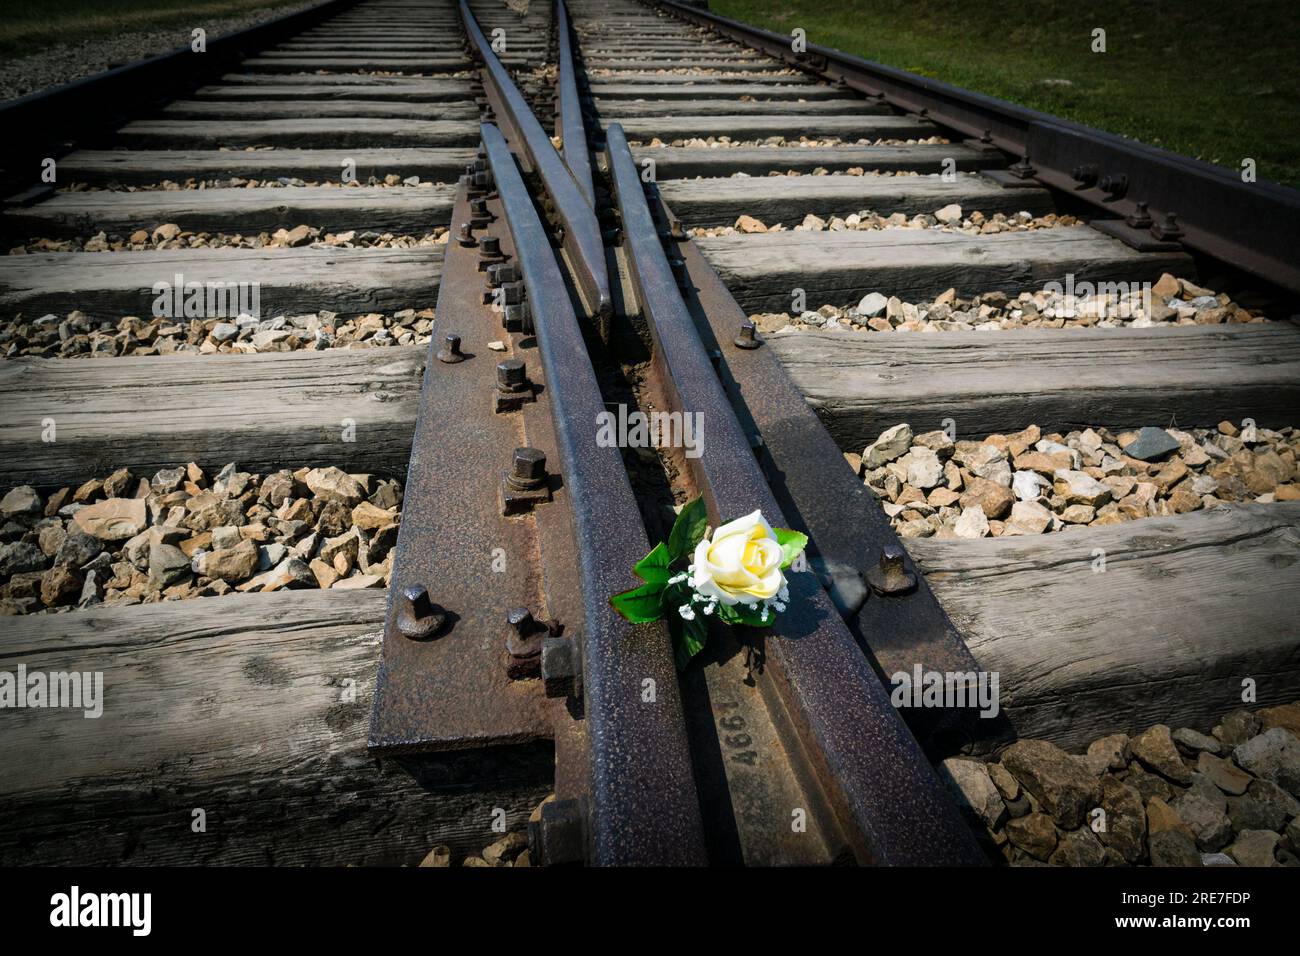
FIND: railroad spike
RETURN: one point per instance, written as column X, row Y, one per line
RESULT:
column 418, row 617
column 450, row 353
column 891, row 576
column 746, row 339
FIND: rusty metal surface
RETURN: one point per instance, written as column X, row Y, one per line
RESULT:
column 641, row 802
column 582, row 238
column 451, row 690
column 847, row 528
column 881, row 788
column 569, row 109
column 1253, row 226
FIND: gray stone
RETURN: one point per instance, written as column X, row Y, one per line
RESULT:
column 1271, row 795
column 226, row 536
column 1206, row 789
column 1217, row 859
column 1078, row 848
column 1273, row 756
column 1192, row 742
column 1155, row 749
column 1173, row 848
column 1254, row 848
column 269, row 555
column 1247, row 813
column 22, row 500
column 168, row 479
column 971, row 784
column 1060, row 782
column 78, row 549
column 167, row 565
column 19, row 557
column 872, row 304
column 891, row 444
column 1210, row 825
column 1152, row 443
column 1029, row 485
column 224, row 331
column 924, row 469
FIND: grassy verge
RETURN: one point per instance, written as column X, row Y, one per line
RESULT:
column 1217, row 81
column 32, row 25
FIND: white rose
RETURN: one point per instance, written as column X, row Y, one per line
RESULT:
column 741, row 563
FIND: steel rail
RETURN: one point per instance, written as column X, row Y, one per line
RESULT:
column 900, row 623
column 1253, row 226
column 42, row 124
column 889, row 801
column 582, row 236
column 573, row 133
column 643, row 803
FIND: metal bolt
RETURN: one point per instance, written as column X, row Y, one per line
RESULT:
column 1023, row 169
column 890, row 576
column 1085, row 174
column 512, row 375
column 466, row 235
column 986, row 136
column 1140, row 218
column 521, row 621
column 746, row 339
column 1115, row 185
column 490, row 247
column 478, row 212
column 529, row 469
column 1169, row 229
column 677, row 230
column 451, row 353
column 523, row 644
column 417, row 617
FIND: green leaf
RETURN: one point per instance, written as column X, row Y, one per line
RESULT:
column 791, row 542
column 688, row 636
column 653, row 568
column 641, row 605
column 688, row 529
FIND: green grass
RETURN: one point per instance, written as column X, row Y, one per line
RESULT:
column 1216, row 80
column 31, row 25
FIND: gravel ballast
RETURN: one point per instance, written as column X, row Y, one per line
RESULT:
column 1166, row 797
column 180, row 534
column 1035, row 483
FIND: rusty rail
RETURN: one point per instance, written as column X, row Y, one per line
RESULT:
column 845, row 736
column 1253, row 226
column 581, row 233
column 569, row 108
column 643, row 807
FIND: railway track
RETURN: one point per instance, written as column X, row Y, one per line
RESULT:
column 400, row 258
